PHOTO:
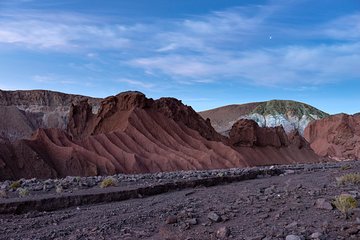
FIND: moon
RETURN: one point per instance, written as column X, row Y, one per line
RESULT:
column 270, row 37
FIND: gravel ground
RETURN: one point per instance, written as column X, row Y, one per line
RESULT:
column 293, row 206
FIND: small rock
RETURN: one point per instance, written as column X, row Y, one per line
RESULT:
column 316, row 235
column 59, row 189
column 3, row 194
column 257, row 237
column 223, row 232
column 192, row 221
column 292, row 225
column 171, row 220
column 293, row 237
column 269, row 190
column 288, row 172
column 321, row 203
column 213, row 216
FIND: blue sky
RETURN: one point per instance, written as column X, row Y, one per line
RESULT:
column 207, row 53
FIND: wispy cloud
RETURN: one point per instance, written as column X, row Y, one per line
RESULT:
column 344, row 28
column 235, row 46
column 136, row 83
column 52, row 79
column 230, row 45
column 59, row 31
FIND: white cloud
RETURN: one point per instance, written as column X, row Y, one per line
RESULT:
column 285, row 65
column 221, row 46
column 344, row 28
column 59, row 32
column 53, row 79
column 229, row 45
column 136, row 83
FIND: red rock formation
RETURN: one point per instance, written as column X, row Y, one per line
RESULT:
column 337, row 136
column 133, row 134
column 264, row 146
column 247, row 132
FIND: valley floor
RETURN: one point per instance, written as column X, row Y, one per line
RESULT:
column 264, row 208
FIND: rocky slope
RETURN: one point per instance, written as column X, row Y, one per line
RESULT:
column 289, row 114
column 337, row 136
column 133, row 134
column 22, row 112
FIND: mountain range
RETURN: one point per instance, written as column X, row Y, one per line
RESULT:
column 48, row 134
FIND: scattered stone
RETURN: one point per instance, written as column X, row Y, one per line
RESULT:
column 321, row 203
column 288, row 172
column 59, row 189
column 257, row 237
column 292, row 225
column 171, row 220
column 192, row 221
column 3, row 194
column 223, row 232
column 213, row 216
column 316, row 235
column 293, row 237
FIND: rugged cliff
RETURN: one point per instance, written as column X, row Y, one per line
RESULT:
column 25, row 111
column 337, row 136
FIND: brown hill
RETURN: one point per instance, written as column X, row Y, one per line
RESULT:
column 222, row 118
column 337, row 136
column 133, row 134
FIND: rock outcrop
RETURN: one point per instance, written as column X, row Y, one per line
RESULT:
column 263, row 145
column 291, row 115
column 25, row 111
column 247, row 133
column 337, row 136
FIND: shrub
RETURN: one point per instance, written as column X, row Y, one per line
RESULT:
column 15, row 185
column 350, row 178
column 23, row 192
column 345, row 167
column 345, row 203
column 108, row 182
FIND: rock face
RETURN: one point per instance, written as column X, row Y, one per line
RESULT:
column 337, row 136
column 133, row 134
column 247, row 133
column 25, row 111
column 270, row 145
column 293, row 116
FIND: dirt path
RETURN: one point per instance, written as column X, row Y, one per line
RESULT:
column 266, row 208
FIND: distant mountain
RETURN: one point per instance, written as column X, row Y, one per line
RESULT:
column 291, row 115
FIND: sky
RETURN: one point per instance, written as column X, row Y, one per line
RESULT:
column 208, row 53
